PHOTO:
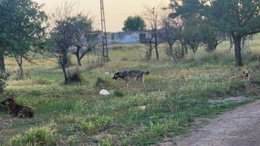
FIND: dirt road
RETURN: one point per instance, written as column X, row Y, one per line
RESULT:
column 239, row 127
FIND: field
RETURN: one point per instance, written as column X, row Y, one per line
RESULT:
column 175, row 96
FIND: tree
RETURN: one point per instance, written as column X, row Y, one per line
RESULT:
column 83, row 36
column 238, row 18
column 134, row 23
column 61, row 39
column 192, row 32
column 151, row 16
column 22, row 30
column 168, row 32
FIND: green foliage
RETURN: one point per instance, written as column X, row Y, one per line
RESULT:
column 22, row 28
column 238, row 18
column 95, row 123
column 103, row 83
column 106, row 140
column 3, row 80
column 118, row 93
column 72, row 139
column 74, row 76
column 35, row 136
column 134, row 23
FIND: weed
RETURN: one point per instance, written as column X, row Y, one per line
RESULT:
column 103, row 83
column 106, row 140
column 72, row 139
column 36, row 136
column 118, row 93
column 74, row 76
column 95, row 123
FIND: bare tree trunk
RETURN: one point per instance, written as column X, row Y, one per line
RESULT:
column 156, row 45
column 182, row 48
column 170, row 47
column 78, row 56
column 65, row 73
column 231, row 43
column 2, row 63
column 237, row 42
column 19, row 61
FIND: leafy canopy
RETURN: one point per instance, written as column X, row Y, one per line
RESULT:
column 134, row 23
column 22, row 27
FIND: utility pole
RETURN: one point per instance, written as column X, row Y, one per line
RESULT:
column 104, row 32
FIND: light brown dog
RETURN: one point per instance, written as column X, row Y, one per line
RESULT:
column 245, row 76
column 17, row 110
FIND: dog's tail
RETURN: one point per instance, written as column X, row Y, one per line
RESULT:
column 146, row 73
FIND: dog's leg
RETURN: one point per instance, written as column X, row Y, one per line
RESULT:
column 140, row 79
column 21, row 115
column 143, row 82
column 126, row 85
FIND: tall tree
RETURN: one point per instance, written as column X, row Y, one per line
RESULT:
column 238, row 18
column 22, row 30
column 134, row 23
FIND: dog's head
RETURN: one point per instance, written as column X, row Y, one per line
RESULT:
column 246, row 74
column 116, row 75
column 8, row 101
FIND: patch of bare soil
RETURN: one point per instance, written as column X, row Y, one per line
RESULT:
column 239, row 127
column 10, row 121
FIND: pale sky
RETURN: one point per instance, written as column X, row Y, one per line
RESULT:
column 116, row 11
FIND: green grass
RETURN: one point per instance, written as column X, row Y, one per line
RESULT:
column 175, row 94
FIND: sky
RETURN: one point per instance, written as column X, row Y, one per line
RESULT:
column 116, row 11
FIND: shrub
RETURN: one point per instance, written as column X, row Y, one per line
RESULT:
column 102, row 83
column 74, row 76
column 35, row 136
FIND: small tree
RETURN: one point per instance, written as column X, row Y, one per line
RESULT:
column 192, row 33
column 168, row 32
column 83, row 36
column 134, row 23
column 61, row 39
column 151, row 16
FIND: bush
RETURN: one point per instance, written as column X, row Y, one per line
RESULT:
column 75, row 76
column 102, row 83
column 35, row 136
